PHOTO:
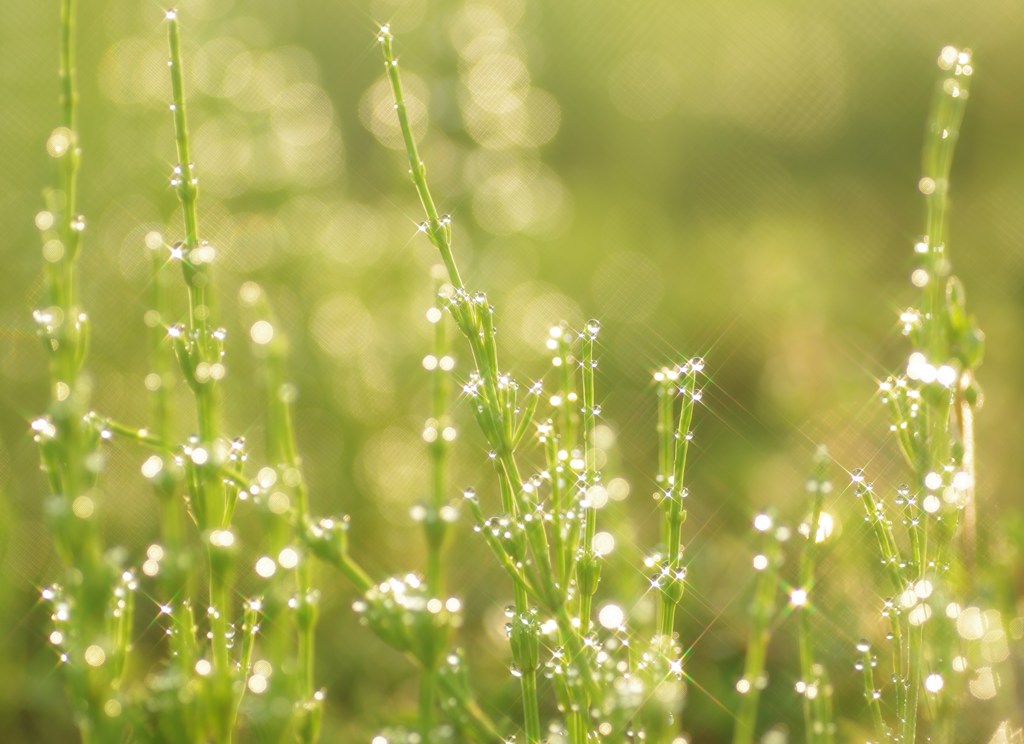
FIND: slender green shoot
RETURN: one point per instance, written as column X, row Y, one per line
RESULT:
column 199, row 349
column 762, row 611
column 94, row 608
column 674, row 444
column 495, row 407
column 818, row 726
column 866, row 664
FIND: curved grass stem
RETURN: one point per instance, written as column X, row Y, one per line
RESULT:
column 474, row 317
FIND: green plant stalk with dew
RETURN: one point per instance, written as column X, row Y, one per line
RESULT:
column 173, row 558
column 200, row 350
column 562, row 584
column 192, row 698
column 436, row 513
column 932, row 408
column 410, row 613
column 93, row 610
column 291, row 602
column 814, row 687
column 763, row 608
column 494, row 411
column 214, row 490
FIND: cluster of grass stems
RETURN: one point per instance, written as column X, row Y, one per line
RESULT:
column 229, row 662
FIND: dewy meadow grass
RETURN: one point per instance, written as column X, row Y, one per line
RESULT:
column 222, row 664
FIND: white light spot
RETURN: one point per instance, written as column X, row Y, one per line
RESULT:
column 83, row 507
column 222, row 538
column 53, row 251
column 95, row 656
column 947, row 57
column 261, row 332
column 933, row 683
column 153, row 382
column 44, row 220
column 257, row 684
column 278, row 502
column 249, row 293
column 58, row 142
column 265, row 567
column 970, row 624
column 919, row 615
column 618, row 489
column 203, row 668
column 984, row 685
column 798, row 597
column 611, row 616
column 152, row 466
column 266, row 477
column 597, row 495
column 288, row 558
column 946, row 375
column 604, row 543
column 760, row 562
column 826, row 524
column 762, row 523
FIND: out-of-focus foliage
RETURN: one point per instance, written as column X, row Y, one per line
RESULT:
column 730, row 180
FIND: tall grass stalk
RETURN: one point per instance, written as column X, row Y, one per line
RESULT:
column 166, row 475
column 438, row 432
column 932, row 410
column 188, row 697
column 562, row 583
column 814, row 686
column 674, row 445
column 93, row 609
column 410, row 613
column 293, row 601
column 763, row 607
column 494, row 410
column 200, row 351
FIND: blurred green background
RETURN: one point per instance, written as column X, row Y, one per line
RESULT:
column 734, row 180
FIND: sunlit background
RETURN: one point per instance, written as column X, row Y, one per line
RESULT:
column 733, row 180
